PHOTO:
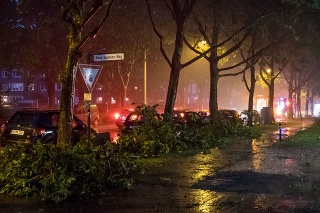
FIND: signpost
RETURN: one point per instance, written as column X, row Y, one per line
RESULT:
column 90, row 74
column 87, row 98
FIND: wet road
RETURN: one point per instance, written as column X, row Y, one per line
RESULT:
column 250, row 176
column 108, row 126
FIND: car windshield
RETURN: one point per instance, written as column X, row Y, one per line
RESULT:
column 134, row 117
column 23, row 119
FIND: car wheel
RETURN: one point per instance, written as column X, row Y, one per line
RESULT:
column 95, row 122
column 2, row 127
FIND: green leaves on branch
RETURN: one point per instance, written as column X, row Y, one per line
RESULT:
column 50, row 173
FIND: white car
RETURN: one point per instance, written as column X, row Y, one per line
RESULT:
column 255, row 117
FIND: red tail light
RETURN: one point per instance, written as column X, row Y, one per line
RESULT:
column 38, row 131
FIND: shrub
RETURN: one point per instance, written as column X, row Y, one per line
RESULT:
column 50, row 173
column 152, row 138
column 155, row 137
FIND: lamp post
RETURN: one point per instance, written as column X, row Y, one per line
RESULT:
column 136, row 94
column 145, row 79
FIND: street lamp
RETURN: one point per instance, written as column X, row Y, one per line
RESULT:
column 145, row 79
column 269, row 72
column 135, row 91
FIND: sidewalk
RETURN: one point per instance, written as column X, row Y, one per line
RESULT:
column 269, row 178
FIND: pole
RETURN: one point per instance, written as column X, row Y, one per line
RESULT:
column 145, row 78
column 280, row 132
column 88, row 113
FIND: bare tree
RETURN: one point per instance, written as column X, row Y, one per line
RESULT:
column 180, row 11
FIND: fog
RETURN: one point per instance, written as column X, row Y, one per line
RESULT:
column 232, row 93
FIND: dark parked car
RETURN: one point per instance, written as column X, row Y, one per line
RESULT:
column 121, row 117
column 3, row 121
column 135, row 120
column 186, row 117
column 231, row 116
column 29, row 126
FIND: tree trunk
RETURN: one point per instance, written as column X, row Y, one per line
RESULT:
column 67, row 94
column 213, row 102
column 299, row 103
column 214, row 74
column 124, row 97
column 175, row 70
column 251, row 94
column 290, row 107
column 307, row 103
column 271, row 97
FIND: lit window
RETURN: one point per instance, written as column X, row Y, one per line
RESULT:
column 99, row 100
column 16, row 87
column 31, row 87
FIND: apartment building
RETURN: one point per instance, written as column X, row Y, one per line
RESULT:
column 20, row 89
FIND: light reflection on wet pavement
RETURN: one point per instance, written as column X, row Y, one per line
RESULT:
column 251, row 176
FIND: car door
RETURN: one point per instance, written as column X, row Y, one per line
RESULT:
column 79, row 129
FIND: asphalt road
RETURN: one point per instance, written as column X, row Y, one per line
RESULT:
column 108, row 126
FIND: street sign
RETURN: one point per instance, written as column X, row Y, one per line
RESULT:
column 90, row 74
column 87, row 96
column 108, row 57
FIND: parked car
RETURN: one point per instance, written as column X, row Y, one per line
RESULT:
column 3, row 121
column 205, row 115
column 120, row 117
column 29, row 126
column 135, row 120
column 231, row 116
column 82, row 113
column 186, row 117
column 255, row 117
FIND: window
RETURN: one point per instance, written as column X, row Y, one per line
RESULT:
column 99, row 100
column 16, row 86
column 5, row 74
column 16, row 73
column 31, row 87
column 56, row 100
column 12, row 73
column 4, row 87
column 43, row 87
column 15, row 98
column 58, row 86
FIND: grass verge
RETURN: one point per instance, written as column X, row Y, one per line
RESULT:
column 307, row 137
